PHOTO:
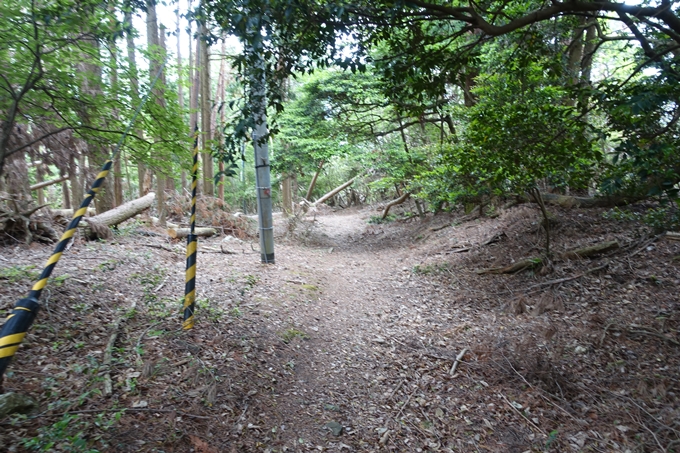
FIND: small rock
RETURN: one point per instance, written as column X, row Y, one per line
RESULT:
column 335, row 427
column 580, row 350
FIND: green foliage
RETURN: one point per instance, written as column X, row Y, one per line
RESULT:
column 521, row 129
column 18, row 273
column 644, row 114
column 70, row 434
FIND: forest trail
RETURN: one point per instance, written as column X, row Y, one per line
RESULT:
column 347, row 342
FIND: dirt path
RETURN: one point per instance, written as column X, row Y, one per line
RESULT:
column 347, row 342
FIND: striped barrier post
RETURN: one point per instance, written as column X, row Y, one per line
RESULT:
column 25, row 310
column 192, row 244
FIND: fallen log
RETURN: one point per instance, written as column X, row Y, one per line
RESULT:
column 40, row 185
column 125, row 211
column 68, row 213
column 335, row 191
column 672, row 236
column 155, row 221
column 590, row 251
column 399, row 200
column 184, row 232
column 97, row 227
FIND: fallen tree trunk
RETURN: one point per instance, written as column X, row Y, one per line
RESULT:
column 125, row 211
column 40, row 185
column 155, row 221
column 335, row 191
column 97, row 227
column 68, row 213
column 399, row 200
column 184, row 232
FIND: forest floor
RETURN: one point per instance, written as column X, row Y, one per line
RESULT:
column 348, row 342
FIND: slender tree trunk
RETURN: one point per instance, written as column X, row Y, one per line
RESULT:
column 208, row 184
column 65, row 194
column 195, row 85
column 312, row 184
column 575, row 55
column 117, row 170
column 154, row 43
column 287, row 194
column 39, row 177
column 219, row 108
column 134, row 93
column 92, row 85
column 180, row 89
column 170, row 182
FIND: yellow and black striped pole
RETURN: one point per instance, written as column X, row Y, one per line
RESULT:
column 192, row 244
column 25, row 310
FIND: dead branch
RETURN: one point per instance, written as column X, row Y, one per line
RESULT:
column 40, row 185
column 568, row 279
column 399, row 200
column 459, row 357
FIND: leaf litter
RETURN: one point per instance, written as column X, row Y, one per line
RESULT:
column 348, row 342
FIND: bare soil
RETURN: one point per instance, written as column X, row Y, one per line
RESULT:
column 348, row 341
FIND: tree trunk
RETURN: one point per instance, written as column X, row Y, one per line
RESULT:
column 97, row 155
column 125, row 211
column 66, row 195
column 180, row 90
column 399, row 200
column 117, row 170
column 208, row 184
column 155, row 40
column 335, row 191
column 286, row 194
column 39, row 173
column 76, row 186
column 134, row 93
column 217, row 132
column 312, row 184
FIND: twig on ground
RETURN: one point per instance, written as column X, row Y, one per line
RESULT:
column 646, row 243
column 459, row 357
column 522, row 415
column 408, row 400
column 161, row 285
column 567, row 279
column 394, row 392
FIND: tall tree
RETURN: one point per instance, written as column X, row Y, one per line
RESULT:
column 157, row 58
column 204, row 36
